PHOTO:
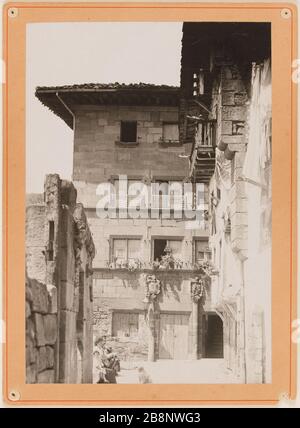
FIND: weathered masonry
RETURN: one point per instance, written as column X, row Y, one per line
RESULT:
column 59, row 295
column 150, row 297
column 225, row 113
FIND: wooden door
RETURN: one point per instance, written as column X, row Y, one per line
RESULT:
column 173, row 343
column 125, row 325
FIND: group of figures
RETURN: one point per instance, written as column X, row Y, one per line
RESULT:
column 107, row 362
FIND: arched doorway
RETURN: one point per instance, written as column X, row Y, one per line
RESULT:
column 214, row 347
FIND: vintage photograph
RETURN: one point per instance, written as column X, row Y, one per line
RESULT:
column 148, row 203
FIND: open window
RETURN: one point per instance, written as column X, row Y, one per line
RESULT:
column 50, row 246
column 159, row 246
column 128, row 132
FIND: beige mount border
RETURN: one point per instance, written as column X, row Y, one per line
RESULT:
column 284, row 50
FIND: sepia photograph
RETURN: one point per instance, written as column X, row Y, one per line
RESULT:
column 148, row 203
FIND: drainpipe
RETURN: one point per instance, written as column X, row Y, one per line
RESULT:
column 66, row 107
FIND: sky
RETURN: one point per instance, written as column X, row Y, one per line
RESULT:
column 69, row 53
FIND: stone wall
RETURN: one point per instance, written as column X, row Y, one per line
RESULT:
column 59, row 254
column 120, row 291
column 35, row 244
column 244, row 282
column 146, row 230
column 100, row 157
column 41, row 333
column 98, row 154
column 256, row 363
column 230, row 102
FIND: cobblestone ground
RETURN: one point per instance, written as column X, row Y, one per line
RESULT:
column 171, row 371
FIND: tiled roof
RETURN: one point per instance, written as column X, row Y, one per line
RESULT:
column 116, row 85
column 61, row 99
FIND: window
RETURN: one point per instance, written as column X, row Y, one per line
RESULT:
column 167, row 195
column 128, row 132
column 159, row 246
column 202, row 251
column 126, row 250
column 50, row 247
column 170, row 132
column 198, row 83
column 125, row 325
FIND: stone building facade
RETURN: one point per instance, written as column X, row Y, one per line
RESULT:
column 148, row 307
column 226, row 90
column 59, row 295
column 166, row 286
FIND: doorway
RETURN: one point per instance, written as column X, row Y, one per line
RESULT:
column 173, row 341
column 214, row 347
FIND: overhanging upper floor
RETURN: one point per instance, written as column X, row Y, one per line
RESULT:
column 61, row 99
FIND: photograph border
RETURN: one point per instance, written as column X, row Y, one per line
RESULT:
column 284, row 258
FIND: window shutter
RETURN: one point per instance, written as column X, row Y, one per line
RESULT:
column 134, row 249
column 120, row 250
column 170, row 132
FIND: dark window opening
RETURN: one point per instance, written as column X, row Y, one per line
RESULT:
column 50, row 249
column 51, row 231
column 128, row 132
column 159, row 248
column 91, row 292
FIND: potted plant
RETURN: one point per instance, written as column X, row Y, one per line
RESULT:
column 134, row 265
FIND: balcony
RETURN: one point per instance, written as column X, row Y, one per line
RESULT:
column 167, row 266
column 202, row 164
column 203, row 158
